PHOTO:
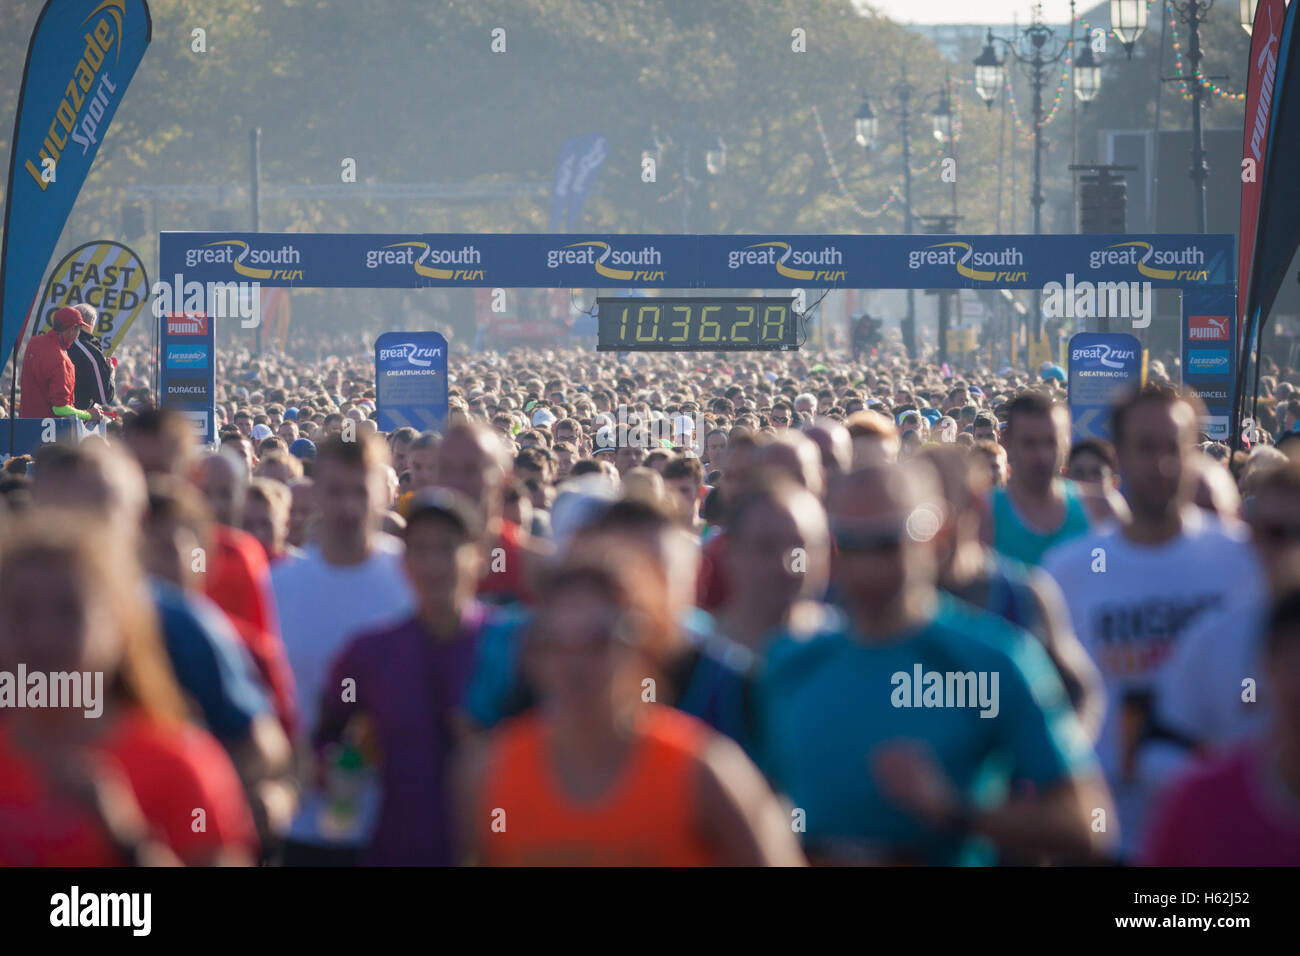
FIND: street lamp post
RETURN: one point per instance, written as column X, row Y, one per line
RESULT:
column 715, row 161
column 989, row 81
column 1128, row 20
column 1193, row 13
column 866, row 130
column 1247, row 10
column 945, row 130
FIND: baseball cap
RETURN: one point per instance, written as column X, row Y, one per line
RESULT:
column 452, row 506
column 1054, row 371
column 303, row 448
column 260, row 432
column 69, row 318
column 291, row 414
column 543, row 416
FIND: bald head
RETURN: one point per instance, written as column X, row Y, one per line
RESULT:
column 883, row 491
column 223, row 479
column 474, row 461
column 91, row 476
column 835, row 445
column 797, row 456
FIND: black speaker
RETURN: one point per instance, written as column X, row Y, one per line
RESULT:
column 1103, row 204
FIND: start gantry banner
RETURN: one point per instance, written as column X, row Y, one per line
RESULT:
column 688, row 261
column 82, row 56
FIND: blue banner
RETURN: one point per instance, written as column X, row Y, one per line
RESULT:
column 411, row 381
column 589, row 157
column 81, row 58
column 549, row 261
column 1102, row 365
column 1210, row 354
column 186, row 376
column 564, row 166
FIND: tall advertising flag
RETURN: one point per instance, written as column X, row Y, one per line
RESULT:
column 81, row 58
column 564, row 167
column 591, row 153
column 1261, row 73
column 1278, row 232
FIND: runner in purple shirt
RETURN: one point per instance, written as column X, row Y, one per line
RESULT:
column 410, row 679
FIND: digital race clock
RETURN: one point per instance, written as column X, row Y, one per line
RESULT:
column 697, row 325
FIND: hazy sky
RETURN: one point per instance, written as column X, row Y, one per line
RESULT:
column 973, row 11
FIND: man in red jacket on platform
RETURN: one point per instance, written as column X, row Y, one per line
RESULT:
column 49, row 377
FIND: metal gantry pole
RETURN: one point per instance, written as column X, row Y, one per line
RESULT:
column 1199, row 171
column 904, row 98
column 255, row 163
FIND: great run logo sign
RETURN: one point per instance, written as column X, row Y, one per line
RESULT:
column 1188, row 263
column 431, row 262
column 792, row 263
column 996, row 265
column 410, row 353
column 248, row 261
column 624, row 265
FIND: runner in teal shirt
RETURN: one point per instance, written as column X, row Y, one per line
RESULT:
column 925, row 729
column 824, row 705
column 1015, row 539
column 1037, row 440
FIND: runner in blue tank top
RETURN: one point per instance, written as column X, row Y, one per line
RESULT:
column 1038, row 508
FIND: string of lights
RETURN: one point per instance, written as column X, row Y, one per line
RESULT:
column 894, row 194
column 1179, row 69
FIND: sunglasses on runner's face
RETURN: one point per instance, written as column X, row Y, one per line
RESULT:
column 780, row 420
column 856, row 538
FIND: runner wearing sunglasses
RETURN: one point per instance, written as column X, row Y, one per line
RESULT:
column 886, row 772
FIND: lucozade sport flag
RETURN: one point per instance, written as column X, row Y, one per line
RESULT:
column 81, row 58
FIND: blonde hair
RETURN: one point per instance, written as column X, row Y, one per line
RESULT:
column 100, row 560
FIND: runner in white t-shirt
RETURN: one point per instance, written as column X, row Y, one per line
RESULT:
column 1134, row 591
column 350, row 580
column 1210, row 694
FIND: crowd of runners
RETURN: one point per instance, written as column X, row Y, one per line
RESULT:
column 669, row 609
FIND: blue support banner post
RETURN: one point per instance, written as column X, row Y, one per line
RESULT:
column 1210, row 353
column 1102, row 365
column 411, row 381
column 187, row 369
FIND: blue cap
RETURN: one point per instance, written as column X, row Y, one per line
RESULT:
column 291, row 414
column 303, row 448
column 932, row 415
column 1054, row 371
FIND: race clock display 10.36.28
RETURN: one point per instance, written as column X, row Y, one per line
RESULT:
column 697, row 325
